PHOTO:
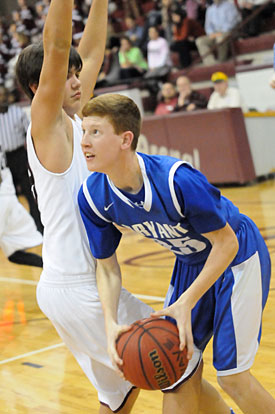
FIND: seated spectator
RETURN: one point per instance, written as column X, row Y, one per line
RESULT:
column 18, row 41
column 17, row 23
column 78, row 24
column 27, row 17
column 253, row 26
column 185, row 31
column 131, row 7
column 131, row 60
column 134, row 31
column 221, row 17
column 224, row 96
column 110, row 71
column 40, row 19
column 188, row 99
column 166, row 19
column 168, row 99
column 158, row 55
column 46, row 4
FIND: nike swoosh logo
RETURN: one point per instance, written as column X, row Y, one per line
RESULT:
column 107, row 208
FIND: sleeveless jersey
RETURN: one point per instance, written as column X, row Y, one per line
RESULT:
column 178, row 204
column 65, row 245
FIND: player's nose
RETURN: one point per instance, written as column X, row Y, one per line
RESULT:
column 75, row 81
column 85, row 142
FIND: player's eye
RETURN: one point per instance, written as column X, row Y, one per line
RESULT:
column 95, row 132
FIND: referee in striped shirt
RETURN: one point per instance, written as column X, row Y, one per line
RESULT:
column 13, row 127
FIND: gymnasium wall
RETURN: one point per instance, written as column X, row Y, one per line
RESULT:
column 215, row 142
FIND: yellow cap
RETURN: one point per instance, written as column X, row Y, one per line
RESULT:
column 219, row 77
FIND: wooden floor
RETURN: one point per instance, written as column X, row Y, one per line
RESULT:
column 38, row 374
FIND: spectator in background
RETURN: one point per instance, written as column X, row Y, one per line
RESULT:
column 166, row 19
column 131, row 60
column 224, row 96
column 13, row 127
column 168, row 99
column 19, row 41
column 5, row 55
column 221, row 17
column 27, row 17
column 110, row 70
column 132, row 7
column 253, row 26
column 134, row 31
column 188, row 99
column 78, row 23
column 158, row 55
column 40, row 20
column 185, row 31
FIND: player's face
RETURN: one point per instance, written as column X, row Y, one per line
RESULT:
column 72, row 96
column 100, row 144
column 221, row 87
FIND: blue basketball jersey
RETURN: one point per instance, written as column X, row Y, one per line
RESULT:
column 174, row 208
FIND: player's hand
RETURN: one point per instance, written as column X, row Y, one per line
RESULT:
column 113, row 332
column 181, row 312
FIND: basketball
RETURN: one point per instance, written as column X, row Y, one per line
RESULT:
column 150, row 352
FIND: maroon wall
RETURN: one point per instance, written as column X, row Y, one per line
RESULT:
column 214, row 141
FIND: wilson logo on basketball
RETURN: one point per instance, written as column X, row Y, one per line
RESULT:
column 160, row 375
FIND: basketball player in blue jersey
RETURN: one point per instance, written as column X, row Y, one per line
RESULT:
column 221, row 276
column 59, row 80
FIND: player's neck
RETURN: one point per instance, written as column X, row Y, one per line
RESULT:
column 129, row 177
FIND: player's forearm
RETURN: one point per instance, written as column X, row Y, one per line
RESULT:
column 109, row 288
column 94, row 37
column 58, row 26
column 223, row 252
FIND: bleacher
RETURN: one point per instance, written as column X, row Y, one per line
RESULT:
column 245, row 53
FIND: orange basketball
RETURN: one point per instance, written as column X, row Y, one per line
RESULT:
column 151, row 356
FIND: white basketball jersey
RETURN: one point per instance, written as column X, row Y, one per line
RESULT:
column 65, row 247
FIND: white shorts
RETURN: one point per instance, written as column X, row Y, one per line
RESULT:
column 17, row 227
column 75, row 310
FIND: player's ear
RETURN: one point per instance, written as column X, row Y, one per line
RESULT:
column 127, row 138
column 33, row 87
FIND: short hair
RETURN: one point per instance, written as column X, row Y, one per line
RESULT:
column 29, row 66
column 127, row 38
column 121, row 111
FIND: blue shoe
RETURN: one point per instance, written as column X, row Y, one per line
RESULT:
column 231, row 411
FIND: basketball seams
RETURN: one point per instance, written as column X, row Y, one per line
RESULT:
column 128, row 339
column 141, row 361
column 150, row 353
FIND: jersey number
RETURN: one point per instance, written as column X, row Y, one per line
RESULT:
column 183, row 246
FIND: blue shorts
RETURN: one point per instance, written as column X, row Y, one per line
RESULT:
column 231, row 310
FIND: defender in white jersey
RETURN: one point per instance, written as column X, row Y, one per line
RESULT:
column 52, row 76
column 221, row 276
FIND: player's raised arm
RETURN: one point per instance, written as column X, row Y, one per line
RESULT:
column 47, row 103
column 92, row 46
